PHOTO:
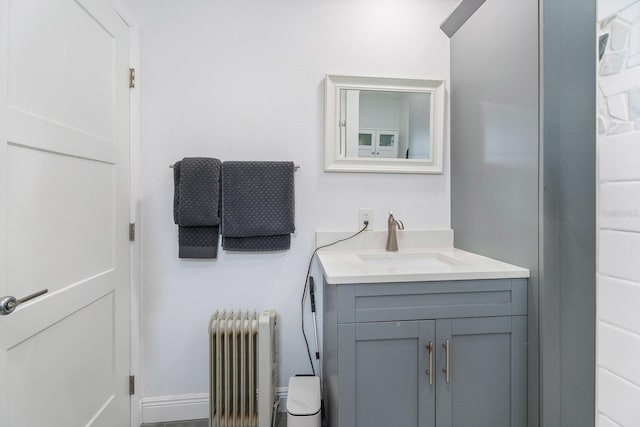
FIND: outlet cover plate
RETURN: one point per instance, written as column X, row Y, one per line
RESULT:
column 365, row 214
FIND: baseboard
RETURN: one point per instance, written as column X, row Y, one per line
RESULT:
column 175, row 408
column 158, row 409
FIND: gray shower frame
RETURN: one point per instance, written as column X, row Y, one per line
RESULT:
column 523, row 178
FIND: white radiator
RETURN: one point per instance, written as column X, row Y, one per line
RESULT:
column 243, row 361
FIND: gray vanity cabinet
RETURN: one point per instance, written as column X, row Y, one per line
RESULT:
column 487, row 368
column 383, row 374
column 377, row 366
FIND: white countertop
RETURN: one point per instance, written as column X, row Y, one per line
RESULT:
column 423, row 256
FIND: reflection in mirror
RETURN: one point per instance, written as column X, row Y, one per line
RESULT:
column 382, row 124
column 385, row 124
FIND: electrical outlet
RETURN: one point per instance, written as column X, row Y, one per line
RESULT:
column 365, row 214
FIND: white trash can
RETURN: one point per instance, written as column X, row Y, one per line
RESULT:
column 303, row 402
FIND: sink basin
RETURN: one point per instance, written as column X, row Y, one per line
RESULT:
column 410, row 260
column 424, row 256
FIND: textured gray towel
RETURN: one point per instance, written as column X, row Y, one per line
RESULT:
column 258, row 206
column 196, row 206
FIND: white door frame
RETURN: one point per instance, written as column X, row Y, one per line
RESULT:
column 135, row 285
column 129, row 17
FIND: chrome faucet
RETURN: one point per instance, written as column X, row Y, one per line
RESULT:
column 392, row 240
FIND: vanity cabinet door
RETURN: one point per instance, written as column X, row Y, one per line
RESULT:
column 383, row 374
column 486, row 386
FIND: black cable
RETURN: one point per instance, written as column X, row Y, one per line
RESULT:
column 306, row 282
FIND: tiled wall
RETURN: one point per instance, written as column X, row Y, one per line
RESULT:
column 619, row 72
column 618, row 301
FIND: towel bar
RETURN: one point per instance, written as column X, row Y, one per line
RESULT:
column 295, row 167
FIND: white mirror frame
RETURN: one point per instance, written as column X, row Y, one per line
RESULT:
column 334, row 161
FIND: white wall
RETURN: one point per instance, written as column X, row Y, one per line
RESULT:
column 618, row 299
column 379, row 110
column 243, row 80
column 419, row 129
column 129, row 10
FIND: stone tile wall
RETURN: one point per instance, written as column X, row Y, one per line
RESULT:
column 619, row 72
column 618, row 297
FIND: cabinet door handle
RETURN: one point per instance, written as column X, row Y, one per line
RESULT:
column 447, row 366
column 430, row 370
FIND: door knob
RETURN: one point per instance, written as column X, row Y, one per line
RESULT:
column 8, row 304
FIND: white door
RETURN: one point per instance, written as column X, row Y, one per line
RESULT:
column 64, row 167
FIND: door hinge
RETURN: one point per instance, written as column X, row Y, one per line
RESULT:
column 132, row 385
column 132, row 78
column 132, row 232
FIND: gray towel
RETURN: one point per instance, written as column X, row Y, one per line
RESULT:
column 196, row 206
column 258, row 206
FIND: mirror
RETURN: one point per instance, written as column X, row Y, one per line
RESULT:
column 376, row 124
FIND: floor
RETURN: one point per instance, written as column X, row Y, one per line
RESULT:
column 282, row 422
